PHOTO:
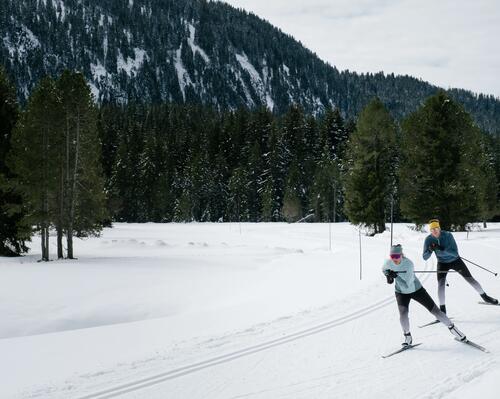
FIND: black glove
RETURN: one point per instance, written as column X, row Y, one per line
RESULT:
column 391, row 273
column 390, row 280
column 435, row 246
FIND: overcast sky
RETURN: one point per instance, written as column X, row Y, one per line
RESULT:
column 450, row 43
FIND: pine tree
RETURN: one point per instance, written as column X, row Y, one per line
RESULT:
column 83, row 196
column 33, row 158
column 368, row 180
column 292, row 204
column 441, row 174
column 333, row 127
column 326, row 188
column 238, row 200
column 254, row 169
column 294, row 136
column 13, row 235
column 274, row 176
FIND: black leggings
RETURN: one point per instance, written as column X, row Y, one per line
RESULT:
column 462, row 269
column 422, row 297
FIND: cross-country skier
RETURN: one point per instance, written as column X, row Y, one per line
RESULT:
column 444, row 246
column 408, row 287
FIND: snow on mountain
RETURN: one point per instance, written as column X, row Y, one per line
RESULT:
column 195, row 48
column 131, row 65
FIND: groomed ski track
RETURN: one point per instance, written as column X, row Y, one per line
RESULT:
column 143, row 383
column 193, row 368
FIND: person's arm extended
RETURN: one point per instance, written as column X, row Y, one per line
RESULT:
column 427, row 252
column 388, row 273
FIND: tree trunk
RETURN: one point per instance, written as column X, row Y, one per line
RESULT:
column 60, row 254
column 47, row 258
column 70, row 245
column 72, row 197
column 45, row 200
column 60, row 222
column 42, row 240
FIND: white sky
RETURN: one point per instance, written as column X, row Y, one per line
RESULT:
column 450, row 43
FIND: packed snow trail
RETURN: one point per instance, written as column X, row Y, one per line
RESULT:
column 202, row 311
column 182, row 371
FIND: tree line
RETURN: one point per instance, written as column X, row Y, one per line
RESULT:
column 71, row 166
column 51, row 174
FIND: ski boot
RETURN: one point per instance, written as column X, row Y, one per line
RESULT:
column 489, row 299
column 408, row 339
column 457, row 333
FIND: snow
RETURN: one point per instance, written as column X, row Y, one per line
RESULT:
column 22, row 42
column 182, row 74
column 261, row 87
column 62, row 14
column 94, row 90
column 128, row 34
column 223, row 311
column 131, row 65
column 98, row 71
column 105, row 45
column 195, row 48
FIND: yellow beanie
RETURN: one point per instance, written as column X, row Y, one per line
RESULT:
column 434, row 223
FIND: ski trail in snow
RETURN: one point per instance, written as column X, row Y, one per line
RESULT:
column 159, row 378
column 189, row 369
column 450, row 384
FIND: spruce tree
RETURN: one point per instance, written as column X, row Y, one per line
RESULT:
column 274, row 176
column 13, row 234
column 368, row 180
column 326, row 188
column 441, row 174
column 33, row 158
column 83, row 184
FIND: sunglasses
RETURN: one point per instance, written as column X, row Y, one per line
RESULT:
column 395, row 256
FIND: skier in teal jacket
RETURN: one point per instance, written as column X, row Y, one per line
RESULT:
column 444, row 246
column 400, row 269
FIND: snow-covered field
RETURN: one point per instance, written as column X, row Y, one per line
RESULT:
column 222, row 311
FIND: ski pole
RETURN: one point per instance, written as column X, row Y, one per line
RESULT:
column 435, row 271
column 429, row 271
column 475, row 264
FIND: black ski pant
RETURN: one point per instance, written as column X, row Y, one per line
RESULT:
column 462, row 269
column 422, row 297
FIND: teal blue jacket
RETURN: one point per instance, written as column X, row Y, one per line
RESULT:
column 405, row 283
column 449, row 251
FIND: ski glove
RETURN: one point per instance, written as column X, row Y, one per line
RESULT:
column 435, row 246
column 390, row 280
column 391, row 273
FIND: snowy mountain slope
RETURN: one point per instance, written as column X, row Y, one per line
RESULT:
column 194, row 51
column 202, row 311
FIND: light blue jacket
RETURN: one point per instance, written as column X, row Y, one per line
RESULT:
column 405, row 283
column 448, row 254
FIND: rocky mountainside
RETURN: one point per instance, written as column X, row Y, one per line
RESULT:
column 194, row 51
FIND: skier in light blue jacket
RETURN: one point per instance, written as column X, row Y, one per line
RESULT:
column 400, row 269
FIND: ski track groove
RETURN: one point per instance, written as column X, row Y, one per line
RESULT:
column 147, row 382
column 185, row 370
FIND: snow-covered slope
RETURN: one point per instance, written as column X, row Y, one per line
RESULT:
column 195, row 51
column 207, row 311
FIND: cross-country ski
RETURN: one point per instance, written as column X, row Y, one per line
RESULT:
column 472, row 344
column 487, row 303
column 431, row 323
column 402, row 349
